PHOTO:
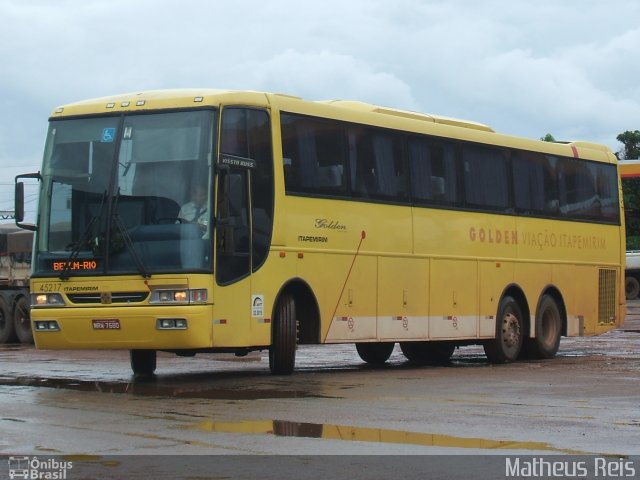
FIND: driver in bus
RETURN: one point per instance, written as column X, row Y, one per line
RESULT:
column 196, row 211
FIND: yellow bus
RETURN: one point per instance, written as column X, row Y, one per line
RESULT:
column 194, row 221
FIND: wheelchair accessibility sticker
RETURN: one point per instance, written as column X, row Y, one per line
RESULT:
column 108, row 135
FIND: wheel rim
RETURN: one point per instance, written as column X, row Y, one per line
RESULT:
column 510, row 331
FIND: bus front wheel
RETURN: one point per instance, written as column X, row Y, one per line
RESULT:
column 506, row 345
column 284, row 333
column 143, row 362
column 375, row 353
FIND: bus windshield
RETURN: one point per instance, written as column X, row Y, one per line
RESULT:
column 126, row 194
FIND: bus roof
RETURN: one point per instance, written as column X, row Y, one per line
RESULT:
column 354, row 110
column 366, row 107
column 176, row 98
column 629, row 168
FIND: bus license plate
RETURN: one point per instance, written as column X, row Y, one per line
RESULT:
column 106, row 324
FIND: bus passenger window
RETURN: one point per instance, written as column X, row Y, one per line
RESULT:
column 577, row 189
column 485, row 178
column 433, row 172
column 607, row 181
column 313, row 152
column 377, row 165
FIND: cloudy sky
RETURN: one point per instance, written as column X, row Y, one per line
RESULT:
column 529, row 67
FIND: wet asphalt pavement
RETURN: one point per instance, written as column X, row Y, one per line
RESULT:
column 585, row 401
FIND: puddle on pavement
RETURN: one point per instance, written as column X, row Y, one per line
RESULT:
column 151, row 388
column 11, row 347
column 283, row 428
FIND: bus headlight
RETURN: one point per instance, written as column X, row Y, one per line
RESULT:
column 47, row 300
column 183, row 296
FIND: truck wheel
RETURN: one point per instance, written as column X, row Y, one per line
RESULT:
column 7, row 328
column 22, row 320
column 143, row 362
column 631, row 288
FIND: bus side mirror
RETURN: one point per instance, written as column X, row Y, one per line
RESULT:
column 19, row 206
column 19, row 201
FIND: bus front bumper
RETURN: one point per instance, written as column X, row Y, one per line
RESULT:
column 123, row 328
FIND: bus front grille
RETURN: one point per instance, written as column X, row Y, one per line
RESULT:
column 115, row 297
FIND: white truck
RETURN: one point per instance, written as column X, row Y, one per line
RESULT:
column 15, row 267
column 632, row 275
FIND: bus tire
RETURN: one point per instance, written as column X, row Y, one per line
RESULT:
column 427, row 352
column 375, row 353
column 631, row 288
column 22, row 320
column 284, row 333
column 143, row 362
column 548, row 330
column 7, row 328
column 506, row 345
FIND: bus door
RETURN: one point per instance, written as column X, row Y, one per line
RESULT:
column 234, row 226
column 244, row 210
column 233, row 256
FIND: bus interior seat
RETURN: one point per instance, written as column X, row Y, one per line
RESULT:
column 330, row 176
column 160, row 210
column 437, row 187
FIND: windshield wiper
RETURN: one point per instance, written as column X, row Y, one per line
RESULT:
column 84, row 240
column 127, row 239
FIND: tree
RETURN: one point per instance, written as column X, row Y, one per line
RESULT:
column 631, row 142
column 548, row 138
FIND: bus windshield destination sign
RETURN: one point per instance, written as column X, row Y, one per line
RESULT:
column 75, row 265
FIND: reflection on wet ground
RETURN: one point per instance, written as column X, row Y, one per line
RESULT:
column 587, row 393
column 188, row 387
column 283, row 428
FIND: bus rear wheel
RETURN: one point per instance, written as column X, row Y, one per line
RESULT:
column 506, row 345
column 427, row 352
column 548, row 330
column 375, row 353
column 143, row 362
column 284, row 335
column 7, row 327
column 22, row 321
